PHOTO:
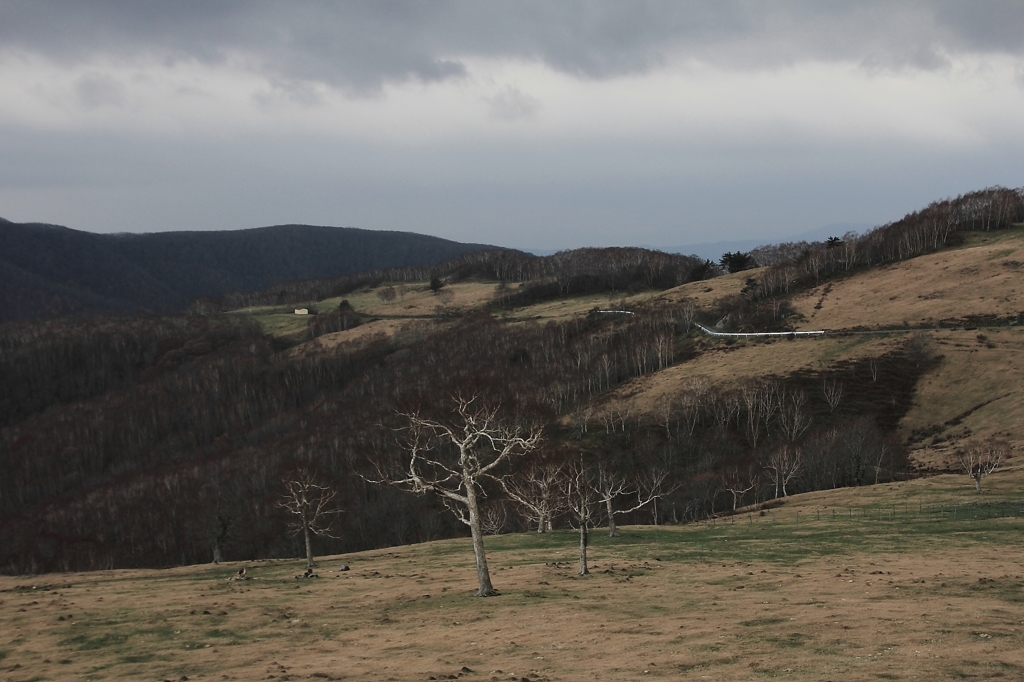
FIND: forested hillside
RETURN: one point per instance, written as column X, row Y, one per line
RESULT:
column 48, row 271
column 151, row 441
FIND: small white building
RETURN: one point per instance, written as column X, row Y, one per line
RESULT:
column 302, row 311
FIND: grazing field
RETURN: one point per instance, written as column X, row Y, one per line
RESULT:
column 914, row 580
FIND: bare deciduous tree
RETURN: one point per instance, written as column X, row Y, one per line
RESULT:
column 665, row 409
column 692, row 400
column 783, row 464
column 451, row 458
column 583, row 503
column 585, row 491
column 978, row 459
column 833, row 391
column 724, row 407
column 608, row 485
column 687, row 314
column 761, row 400
column 312, row 503
column 738, row 480
column 793, row 419
column 493, row 518
column 537, row 491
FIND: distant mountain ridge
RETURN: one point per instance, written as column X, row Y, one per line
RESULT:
column 50, row 270
column 714, row 250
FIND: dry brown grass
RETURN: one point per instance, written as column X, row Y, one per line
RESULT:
column 415, row 299
column 727, row 365
column 985, row 278
column 977, row 391
column 707, row 292
column 364, row 334
column 800, row 593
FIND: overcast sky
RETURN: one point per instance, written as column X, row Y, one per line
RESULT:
column 526, row 124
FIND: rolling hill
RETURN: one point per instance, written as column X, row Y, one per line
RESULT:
column 114, row 424
column 48, row 270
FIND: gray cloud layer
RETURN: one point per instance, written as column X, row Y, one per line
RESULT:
column 749, row 147
column 359, row 46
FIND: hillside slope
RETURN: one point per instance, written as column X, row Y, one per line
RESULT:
column 974, row 390
column 49, row 270
column 113, row 426
column 982, row 279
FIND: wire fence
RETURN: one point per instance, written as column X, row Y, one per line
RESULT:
column 885, row 513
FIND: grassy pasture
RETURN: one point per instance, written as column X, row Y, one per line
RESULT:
column 858, row 584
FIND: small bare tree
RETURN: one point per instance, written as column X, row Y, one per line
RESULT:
column 610, row 485
column 536, row 490
column 312, row 504
column 833, row 391
column 980, row 458
column 793, row 419
column 493, row 518
column 885, row 449
column 738, row 480
column 762, row 400
column 583, row 504
column 452, row 458
column 665, row 409
column 783, row 464
column 586, row 492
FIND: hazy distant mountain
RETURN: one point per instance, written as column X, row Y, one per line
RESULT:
column 48, row 270
column 714, row 250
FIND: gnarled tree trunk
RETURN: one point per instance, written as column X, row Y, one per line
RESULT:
column 483, row 575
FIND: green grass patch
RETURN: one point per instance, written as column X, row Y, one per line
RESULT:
column 761, row 622
column 793, row 640
column 283, row 324
column 782, row 537
column 87, row 642
column 1002, row 253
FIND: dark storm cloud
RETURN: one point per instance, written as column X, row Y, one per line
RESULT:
column 359, row 46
